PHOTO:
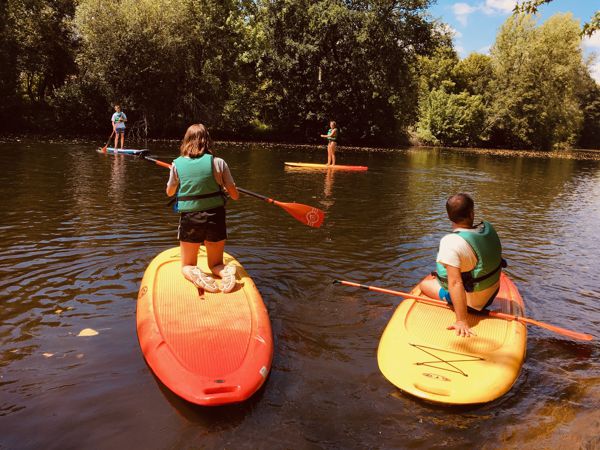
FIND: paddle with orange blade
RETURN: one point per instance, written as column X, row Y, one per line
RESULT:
column 106, row 145
column 308, row 215
column 500, row 315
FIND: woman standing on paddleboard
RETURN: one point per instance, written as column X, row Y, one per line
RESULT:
column 197, row 177
column 118, row 120
column 331, row 137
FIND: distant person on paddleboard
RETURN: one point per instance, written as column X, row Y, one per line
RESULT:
column 469, row 263
column 197, row 177
column 118, row 120
column 331, row 137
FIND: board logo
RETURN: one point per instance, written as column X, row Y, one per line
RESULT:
column 143, row 291
column 435, row 376
column 312, row 216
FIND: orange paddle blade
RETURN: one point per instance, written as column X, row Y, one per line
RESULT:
column 308, row 215
column 500, row 315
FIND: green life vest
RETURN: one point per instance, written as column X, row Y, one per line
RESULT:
column 198, row 189
column 333, row 139
column 486, row 245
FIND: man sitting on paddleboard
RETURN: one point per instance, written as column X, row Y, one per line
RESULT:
column 118, row 120
column 469, row 263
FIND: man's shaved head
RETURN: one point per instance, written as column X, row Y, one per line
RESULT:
column 460, row 207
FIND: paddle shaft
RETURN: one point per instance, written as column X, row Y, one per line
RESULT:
column 109, row 138
column 158, row 162
column 254, row 194
column 499, row 315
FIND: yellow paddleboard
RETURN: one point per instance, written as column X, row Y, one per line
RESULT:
column 421, row 357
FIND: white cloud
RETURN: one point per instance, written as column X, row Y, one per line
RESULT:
column 485, row 50
column 498, row 6
column 452, row 31
column 460, row 50
column 592, row 42
column 455, row 33
column 462, row 12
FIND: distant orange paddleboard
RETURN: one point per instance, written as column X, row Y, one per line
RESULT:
column 211, row 349
column 325, row 166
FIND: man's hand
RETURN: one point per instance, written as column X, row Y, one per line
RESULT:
column 462, row 329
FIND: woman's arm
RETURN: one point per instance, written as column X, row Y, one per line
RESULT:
column 232, row 191
column 224, row 178
column 173, row 182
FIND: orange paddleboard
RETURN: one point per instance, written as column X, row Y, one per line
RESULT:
column 209, row 349
column 325, row 166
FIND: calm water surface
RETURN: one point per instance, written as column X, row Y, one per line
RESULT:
column 79, row 228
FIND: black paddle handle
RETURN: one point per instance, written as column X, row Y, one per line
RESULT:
column 254, row 194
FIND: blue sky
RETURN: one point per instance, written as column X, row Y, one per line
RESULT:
column 476, row 22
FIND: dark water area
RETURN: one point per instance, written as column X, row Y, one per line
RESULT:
column 79, row 228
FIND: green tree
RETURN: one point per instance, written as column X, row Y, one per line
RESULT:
column 348, row 61
column 172, row 61
column 8, row 69
column 451, row 119
column 589, row 98
column 534, row 89
column 453, row 93
column 37, row 53
column 46, row 47
column 474, row 74
column 531, row 7
column 436, row 70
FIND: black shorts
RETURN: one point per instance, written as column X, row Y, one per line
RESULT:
column 199, row 226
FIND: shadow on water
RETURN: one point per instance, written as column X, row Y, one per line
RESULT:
column 212, row 417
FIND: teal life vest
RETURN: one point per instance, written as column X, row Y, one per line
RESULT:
column 198, row 190
column 332, row 139
column 486, row 246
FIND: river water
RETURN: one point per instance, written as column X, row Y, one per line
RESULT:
column 79, row 228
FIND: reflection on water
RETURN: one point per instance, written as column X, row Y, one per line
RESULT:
column 79, row 228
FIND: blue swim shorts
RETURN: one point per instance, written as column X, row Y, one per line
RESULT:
column 445, row 295
column 120, row 130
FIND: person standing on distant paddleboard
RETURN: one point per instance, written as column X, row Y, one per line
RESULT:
column 331, row 136
column 197, row 177
column 469, row 263
column 118, row 120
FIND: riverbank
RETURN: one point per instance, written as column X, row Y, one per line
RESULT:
column 576, row 153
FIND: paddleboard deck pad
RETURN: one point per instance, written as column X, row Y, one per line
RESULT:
column 125, row 151
column 421, row 357
column 210, row 349
column 325, row 166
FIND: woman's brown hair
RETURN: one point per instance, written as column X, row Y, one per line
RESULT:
column 196, row 141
